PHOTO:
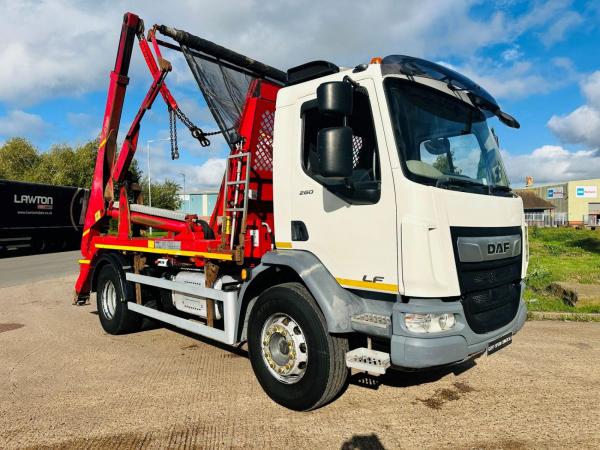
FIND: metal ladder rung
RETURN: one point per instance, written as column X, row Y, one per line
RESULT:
column 238, row 155
column 239, row 187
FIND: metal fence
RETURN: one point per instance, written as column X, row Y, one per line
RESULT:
column 544, row 219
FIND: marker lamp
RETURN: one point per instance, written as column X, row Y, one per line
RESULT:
column 429, row 323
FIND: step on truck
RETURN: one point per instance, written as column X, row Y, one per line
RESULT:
column 364, row 221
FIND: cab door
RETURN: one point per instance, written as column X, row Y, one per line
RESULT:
column 357, row 243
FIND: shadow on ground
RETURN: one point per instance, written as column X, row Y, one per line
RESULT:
column 363, row 442
column 588, row 244
column 397, row 378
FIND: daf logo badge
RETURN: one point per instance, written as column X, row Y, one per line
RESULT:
column 488, row 248
column 498, row 248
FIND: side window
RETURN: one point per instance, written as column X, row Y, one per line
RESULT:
column 365, row 159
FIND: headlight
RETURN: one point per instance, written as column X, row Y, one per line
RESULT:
column 429, row 323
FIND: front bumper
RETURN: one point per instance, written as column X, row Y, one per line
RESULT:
column 417, row 350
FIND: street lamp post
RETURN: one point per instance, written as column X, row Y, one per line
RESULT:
column 187, row 205
column 183, row 175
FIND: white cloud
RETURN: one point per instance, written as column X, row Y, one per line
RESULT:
column 200, row 172
column 515, row 78
column 20, row 123
column 86, row 125
column 591, row 89
column 581, row 126
column 512, row 54
column 65, row 47
column 551, row 164
column 556, row 32
column 209, row 174
column 52, row 48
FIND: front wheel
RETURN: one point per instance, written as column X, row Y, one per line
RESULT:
column 297, row 362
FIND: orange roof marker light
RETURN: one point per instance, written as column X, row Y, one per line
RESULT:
column 376, row 60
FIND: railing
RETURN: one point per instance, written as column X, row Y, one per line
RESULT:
column 544, row 219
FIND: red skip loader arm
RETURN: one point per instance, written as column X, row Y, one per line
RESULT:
column 190, row 240
column 102, row 181
column 106, row 172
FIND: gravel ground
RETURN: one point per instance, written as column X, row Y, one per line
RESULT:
column 65, row 383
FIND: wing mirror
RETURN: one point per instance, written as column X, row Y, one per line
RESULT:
column 335, row 97
column 334, row 146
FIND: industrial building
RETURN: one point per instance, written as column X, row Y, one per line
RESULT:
column 539, row 212
column 200, row 203
column 576, row 202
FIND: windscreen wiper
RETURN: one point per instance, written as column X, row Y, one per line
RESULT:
column 501, row 188
column 448, row 180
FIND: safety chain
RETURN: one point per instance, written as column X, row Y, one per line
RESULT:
column 173, row 134
column 196, row 132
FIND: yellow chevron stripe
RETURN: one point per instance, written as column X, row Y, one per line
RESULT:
column 85, row 232
column 164, row 251
column 368, row 285
column 84, row 261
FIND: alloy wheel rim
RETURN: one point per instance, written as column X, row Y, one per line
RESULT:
column 284, row 349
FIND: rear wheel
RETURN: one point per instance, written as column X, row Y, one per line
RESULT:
column 296, row 361
column 39, row 244
column 114, row 315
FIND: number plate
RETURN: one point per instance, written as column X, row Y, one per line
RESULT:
column 499, row 343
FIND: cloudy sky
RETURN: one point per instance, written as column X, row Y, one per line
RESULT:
column 539, row 58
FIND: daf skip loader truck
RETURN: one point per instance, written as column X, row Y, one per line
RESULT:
column 365, row 219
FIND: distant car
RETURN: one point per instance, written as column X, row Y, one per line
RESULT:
column 40, row 216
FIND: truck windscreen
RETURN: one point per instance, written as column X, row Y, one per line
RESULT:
column 443, row 141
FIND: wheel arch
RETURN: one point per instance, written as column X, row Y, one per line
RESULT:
column 281, row 266
column 121, row 263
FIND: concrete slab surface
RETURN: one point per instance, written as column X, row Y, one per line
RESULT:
column 67, row 384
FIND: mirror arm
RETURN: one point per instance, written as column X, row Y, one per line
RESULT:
column 355, row 84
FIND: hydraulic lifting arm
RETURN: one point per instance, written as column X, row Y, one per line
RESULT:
column 248, row 177
column 107, row 172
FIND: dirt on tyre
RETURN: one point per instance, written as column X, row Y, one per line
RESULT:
column 296, row 361
column 114, row 315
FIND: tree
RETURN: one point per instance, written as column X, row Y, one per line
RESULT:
column 61, row 165
column 164, row 195
column 442, row 164
column 18, row 160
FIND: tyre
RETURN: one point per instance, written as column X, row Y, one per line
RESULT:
column 39, row 245
column 296, row 361
column 115, row 318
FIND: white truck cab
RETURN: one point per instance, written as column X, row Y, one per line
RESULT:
column 436, row 239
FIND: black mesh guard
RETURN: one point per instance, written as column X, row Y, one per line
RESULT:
column 224, row 90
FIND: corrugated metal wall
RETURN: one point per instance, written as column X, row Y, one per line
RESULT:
column 554, row 196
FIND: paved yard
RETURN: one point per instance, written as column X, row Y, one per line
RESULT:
column 66, row 383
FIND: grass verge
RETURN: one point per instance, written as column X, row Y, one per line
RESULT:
column 561, row 254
